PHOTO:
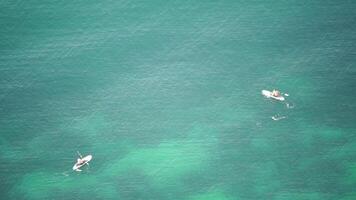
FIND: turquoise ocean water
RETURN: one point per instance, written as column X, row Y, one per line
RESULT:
column 166, row 95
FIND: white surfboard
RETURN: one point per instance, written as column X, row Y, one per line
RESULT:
column 268, row 94
column 86, row 159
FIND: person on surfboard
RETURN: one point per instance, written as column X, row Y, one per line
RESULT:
column 80, row 161
column 276, row 93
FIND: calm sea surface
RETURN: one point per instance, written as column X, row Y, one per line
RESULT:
column 166, row 96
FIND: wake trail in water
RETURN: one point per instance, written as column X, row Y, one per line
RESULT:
column 277, row 117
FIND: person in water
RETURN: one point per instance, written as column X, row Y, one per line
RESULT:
column 80, row 161
column 276, row 93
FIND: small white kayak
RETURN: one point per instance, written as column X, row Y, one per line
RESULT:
column 268, row 94
column 81, row 162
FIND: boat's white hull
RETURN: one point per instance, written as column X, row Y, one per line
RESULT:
column 268, row 94
column 86, row 159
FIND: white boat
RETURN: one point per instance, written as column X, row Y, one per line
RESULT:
column 268, row 94
column 81, row 162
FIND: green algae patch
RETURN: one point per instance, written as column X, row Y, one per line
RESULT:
column 351, row 196
column 215, row 194
column 94, row 125
column 106, row 191
column 164, row 163
column 299, row 196
column 39, row 185
column 351, row 174
column 7, row 152
column 45, row 185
